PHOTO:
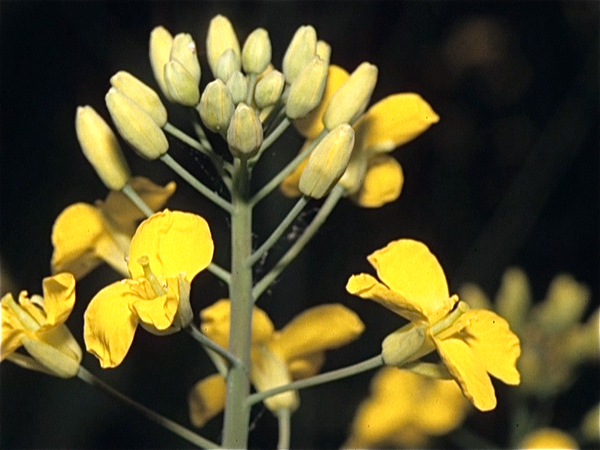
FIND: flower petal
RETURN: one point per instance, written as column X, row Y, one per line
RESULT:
column 215, row 322
column 207, row 399
column 316, row 329
column 175, row 242
column 158, row 311
column 468, row 372
column 59, row 298
column 382, row 182
column 393, row 121
column 311, row 125
column 123, row 214
column 411, row 270
column 109, row 322
column 493, row 344
column 75, row 235
column 289, row 185
column 306, row 366
column 11, row 331
column 366, row 286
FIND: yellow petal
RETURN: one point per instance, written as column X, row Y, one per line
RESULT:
column 175, row 242
column 59, row 298
column 269, row 371
column 548, row 438
column 158, row 312
column 75, row 235
column 207, row 399
column 290, row 184
column 11, row 330
column 366, row 286
column 411, row 270
column 123, row 214
column 393, row 121
column 468, row 372
column 109, row 323
column 311, row 125
column 316, row 329
column 215, row 322
column 306, row 366
column 493, row 344
column 382, row 183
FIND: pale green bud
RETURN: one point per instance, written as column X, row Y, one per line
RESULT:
column 184, row 50
column 228, row 63
column 256, row 52
column 301, row 50
column 136, row 126
column 306, row 91
column 245, row 133
column 181, row 84
column 397, row 348
column 327, row 162
column 352, row 98
column 101, row 148
column 238, row 86
column 216, row 106
column 161, row 42
column 220, row 37
column 141, row 94
column 589, row 426
column 513, row 299
column 269, row 89
column 324, row 51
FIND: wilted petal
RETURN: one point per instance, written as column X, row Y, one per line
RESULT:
column 12, row 330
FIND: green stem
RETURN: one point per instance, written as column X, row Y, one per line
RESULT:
column 174, row 427
column 327, row 377
column 284, row 416
column 287, row 221
column 332, row 199
column 212, row 196
column 206, row 342
column 277, row 179
column 216, row 270
column 237, row 412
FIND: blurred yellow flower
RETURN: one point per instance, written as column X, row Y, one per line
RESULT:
column 278, row 357
column 405, row 410
column 372, row 178
column 472, row 343
column 86, row 235
column 548, row 438
column 167, row 251
column 37, row 323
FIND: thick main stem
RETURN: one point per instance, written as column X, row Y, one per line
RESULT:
column 237, row 411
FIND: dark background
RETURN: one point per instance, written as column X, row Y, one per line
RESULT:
column 508, row 177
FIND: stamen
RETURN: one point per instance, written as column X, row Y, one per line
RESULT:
column 447, row 321
column 158, row 289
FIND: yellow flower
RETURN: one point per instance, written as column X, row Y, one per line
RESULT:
column 85, row 235
column 472, row 343
column 405, row 409
column 278, row 357
column 37, row 323
column 372, row 178
column 548, row 438
column 167, row 251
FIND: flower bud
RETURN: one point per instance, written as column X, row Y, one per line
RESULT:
column 238, row 86
column 245, row 133
column 142, row 94
column 301, row 50
column 184, row 51
column 62, row 361
column 352, row 98
column 216, row 106
column 269, row 89
column 306, row 91
column 397, row 348
column 327, row 162
column 324, row 51
column 136, row 126
column 161, row 42
column 101, row 148
column 220, row 37
column 268, row 371
column 181, row 84
column 256, row 52
column 513, row 299
column 228, row 63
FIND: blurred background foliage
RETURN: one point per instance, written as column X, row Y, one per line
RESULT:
column 508, row 177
